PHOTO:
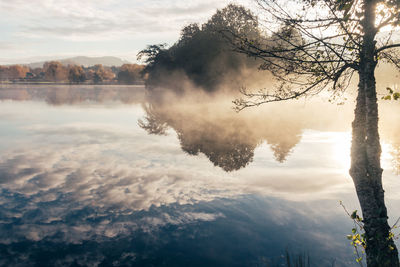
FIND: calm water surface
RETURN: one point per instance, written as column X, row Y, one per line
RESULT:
column 114, row 176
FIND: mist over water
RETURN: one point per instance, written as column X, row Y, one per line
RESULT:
column 110, row 175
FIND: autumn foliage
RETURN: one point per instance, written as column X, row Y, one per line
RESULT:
column 56, row 72
column 13, row 72
column 130, row 73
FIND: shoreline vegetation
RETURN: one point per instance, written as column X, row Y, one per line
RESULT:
column 55, row 72
column 23, row 82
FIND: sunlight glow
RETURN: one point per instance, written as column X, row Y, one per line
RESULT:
column 383, row 13
column 341, row 149
column 341, row 152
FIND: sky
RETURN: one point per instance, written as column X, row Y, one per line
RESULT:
column 35, row 30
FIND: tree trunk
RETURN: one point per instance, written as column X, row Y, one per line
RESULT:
column 366, row 169
column 367, row 176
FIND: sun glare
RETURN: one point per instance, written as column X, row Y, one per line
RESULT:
column 383, row 13
column 341, row 149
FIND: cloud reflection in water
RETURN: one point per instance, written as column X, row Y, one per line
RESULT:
column 84, row 178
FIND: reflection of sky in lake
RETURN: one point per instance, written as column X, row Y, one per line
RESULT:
column 81, row 183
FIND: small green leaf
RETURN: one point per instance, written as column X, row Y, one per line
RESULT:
column 354, row 214
column 390, row 90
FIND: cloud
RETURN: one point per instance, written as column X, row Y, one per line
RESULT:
column 8, row 46
column 95, row 174
column 79, row 20
column 46, row 29
column 187, row 9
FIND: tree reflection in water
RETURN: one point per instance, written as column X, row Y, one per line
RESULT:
column 85, row 185
column 72, row 94
column 227, row 138
column 206, row 124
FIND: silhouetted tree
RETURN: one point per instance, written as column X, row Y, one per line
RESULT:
column 318, row 44
column 158, row 61
column 202, row 53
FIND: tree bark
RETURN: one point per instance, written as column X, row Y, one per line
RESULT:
column 366, row 168
column 367, row 176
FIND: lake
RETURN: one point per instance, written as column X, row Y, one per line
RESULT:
column 121, row 176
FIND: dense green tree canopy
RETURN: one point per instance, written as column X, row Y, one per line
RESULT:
column 202, row 53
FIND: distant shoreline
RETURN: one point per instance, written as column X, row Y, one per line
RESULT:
column 67, row 83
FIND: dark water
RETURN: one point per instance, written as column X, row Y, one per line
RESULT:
column 114, row 176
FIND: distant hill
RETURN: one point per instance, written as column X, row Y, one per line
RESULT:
column 85, row 61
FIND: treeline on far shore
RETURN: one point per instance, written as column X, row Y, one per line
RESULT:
column 56, row 72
